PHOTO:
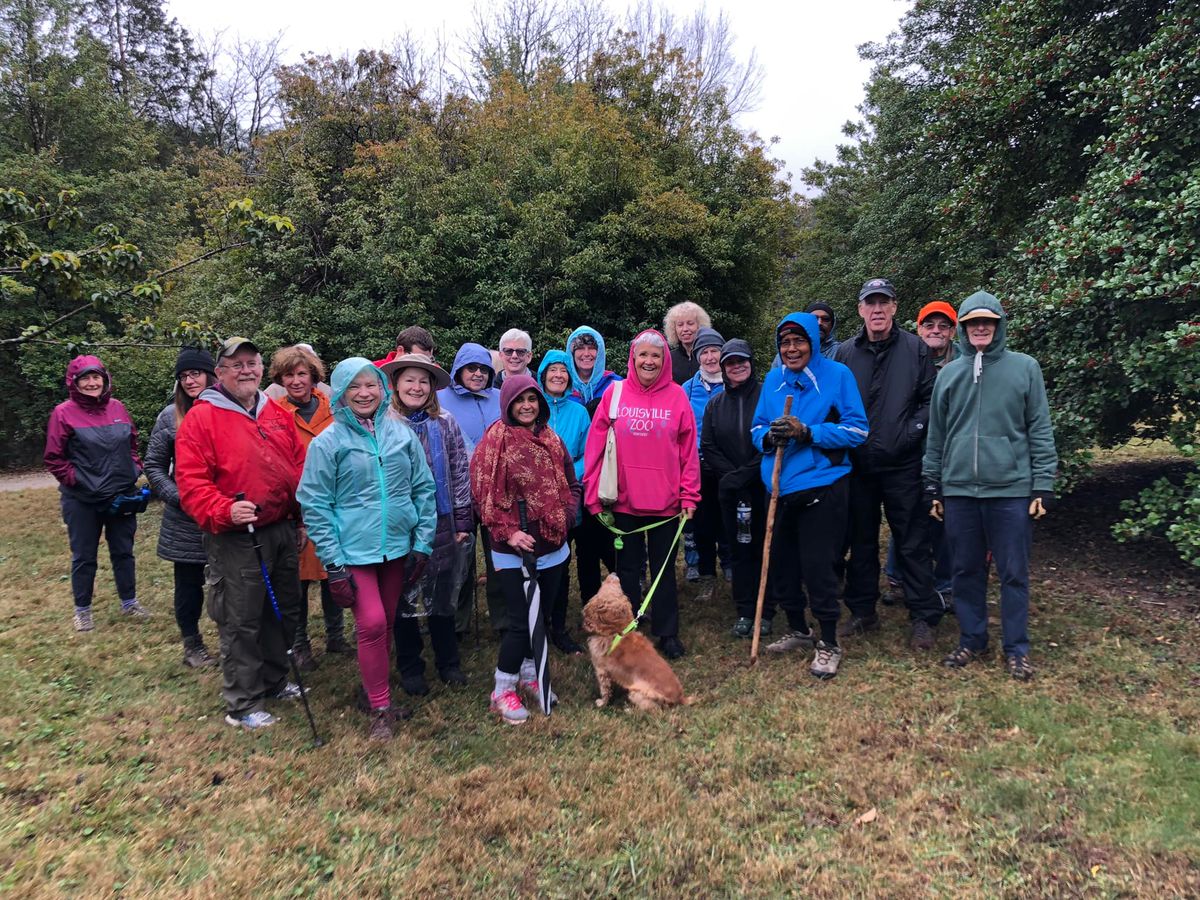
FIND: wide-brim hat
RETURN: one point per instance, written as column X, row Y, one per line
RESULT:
column 437, row 375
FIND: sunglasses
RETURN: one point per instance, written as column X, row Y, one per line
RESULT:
column 514, row 351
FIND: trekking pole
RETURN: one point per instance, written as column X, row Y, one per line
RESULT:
column 766, row 559
column 262, row 567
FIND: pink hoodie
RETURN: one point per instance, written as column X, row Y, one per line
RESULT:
column 658, row 466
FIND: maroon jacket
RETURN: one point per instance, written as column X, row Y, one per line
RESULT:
column 91, row 443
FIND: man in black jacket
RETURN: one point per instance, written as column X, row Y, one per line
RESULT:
column 727, row 449
column 895, row 376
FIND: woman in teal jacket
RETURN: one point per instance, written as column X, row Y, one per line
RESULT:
column 369, row 506
column 569, row 419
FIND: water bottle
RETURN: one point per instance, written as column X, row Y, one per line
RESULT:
column 743, row 522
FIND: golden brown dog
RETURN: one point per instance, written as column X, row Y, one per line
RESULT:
column 634, row 665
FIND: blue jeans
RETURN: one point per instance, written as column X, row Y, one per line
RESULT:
column 943, row 567
column 1002, row 525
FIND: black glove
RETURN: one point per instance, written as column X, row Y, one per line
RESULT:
column 933, row 499
column 414, row 568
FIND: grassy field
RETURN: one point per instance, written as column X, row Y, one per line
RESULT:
column 899, row 778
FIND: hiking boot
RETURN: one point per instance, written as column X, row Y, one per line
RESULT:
column 826, row 661
column 705, row 588
column 508, row 704
column 962, row 656
column 381, row 724
column 858, row 625
column 134, row 610
column 921, row 638
column 793, row 640
column 83, row 618
column 414, row 685
column 195, row 654
column 1018, row 666
column 289, row 691
column 764, row 629
column 363, row 705
column 305, row 661
column 743, row 627
column 338, row 644
column 561, row 638
column 671, row 647
column 453, row 676
column 692, row 574
column 251, row 721
column 894, row 595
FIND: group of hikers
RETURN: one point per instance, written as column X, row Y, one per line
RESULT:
column 378, row 484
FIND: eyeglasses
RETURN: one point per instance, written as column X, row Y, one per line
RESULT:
column 937, row 325
column 474, row 368
column 514, row 351
column 242, row 366
column 191, row 375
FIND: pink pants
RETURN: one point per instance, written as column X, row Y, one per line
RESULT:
column 377, row 590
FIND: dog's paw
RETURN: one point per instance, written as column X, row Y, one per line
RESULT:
column 600, row 701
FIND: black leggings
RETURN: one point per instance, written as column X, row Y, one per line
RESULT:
column 631, row 563
column 514, row 646
column 189, row 597
column 407, row 632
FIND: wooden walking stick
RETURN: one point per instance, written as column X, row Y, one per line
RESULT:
column 762, row 581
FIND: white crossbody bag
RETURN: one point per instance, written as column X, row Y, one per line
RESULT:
column 608, row 468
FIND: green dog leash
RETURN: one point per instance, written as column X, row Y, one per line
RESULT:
column 606, row 519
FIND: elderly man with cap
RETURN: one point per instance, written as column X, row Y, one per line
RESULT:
column 989, row 468
column 237, row 463
column 935, row 326
column 895, row 374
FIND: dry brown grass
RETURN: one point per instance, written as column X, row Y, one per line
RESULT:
column 119, row 776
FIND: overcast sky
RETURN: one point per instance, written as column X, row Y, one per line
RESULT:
column 813, row 80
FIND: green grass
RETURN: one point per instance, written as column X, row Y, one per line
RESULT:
column 117, row 775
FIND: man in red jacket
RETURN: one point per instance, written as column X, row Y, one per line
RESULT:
column 234, row 441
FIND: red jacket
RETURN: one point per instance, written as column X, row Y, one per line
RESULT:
column 222, row 450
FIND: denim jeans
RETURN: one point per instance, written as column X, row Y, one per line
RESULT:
column 1001, row 525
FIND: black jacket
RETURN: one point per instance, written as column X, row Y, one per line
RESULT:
column 725, row 441
column 179, row 539
column 895, row 378
column 683, row 366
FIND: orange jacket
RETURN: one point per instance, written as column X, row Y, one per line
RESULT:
column 310, row 566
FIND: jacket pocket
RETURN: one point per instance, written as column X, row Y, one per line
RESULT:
column 647, row 490
column 997, row 462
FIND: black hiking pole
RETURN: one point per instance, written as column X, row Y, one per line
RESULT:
column 262, row 567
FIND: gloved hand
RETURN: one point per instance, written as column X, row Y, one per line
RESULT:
column 1041, row 503
column 787, row 428
column 933, row 497
column 341, row 586
column 414, row 568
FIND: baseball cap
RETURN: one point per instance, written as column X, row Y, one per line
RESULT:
column 938, row 307
column 877, row 286
column 232, row 345
column 980, row 313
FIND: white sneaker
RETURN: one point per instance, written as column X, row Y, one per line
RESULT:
column 825, row 662
column 793, row 640
column 251, row 721
column 289, row 691
column 508, row 704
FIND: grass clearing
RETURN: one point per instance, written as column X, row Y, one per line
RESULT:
column 117, row 775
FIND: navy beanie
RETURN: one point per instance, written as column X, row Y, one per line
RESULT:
column 194, row 358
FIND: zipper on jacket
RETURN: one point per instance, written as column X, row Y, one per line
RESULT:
column 978, row 414
column 383, row 504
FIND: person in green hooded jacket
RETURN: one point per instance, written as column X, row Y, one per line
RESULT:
column 368, row 497
column 989, row 469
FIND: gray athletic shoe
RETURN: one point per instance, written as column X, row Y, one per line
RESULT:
column 825, row 661
column 134, row 610
column 83, row 618
column 251, row 721
column 793, row 640
column 289, row 691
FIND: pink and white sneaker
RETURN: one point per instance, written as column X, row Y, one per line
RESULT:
column 508, row 704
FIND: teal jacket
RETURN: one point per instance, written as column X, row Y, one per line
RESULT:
column 989, row 421
column 569, row 419
column 367, row 498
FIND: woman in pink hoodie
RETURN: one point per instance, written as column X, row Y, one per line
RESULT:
column 658, row 476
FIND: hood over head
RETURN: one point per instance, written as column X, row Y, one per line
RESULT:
column 513, row 387
column 552, row 357
column 585, row 387
column 982, row 300
column 808, row 324
column 81, row 365
column 472, row 353
column 345, row 372
column 665, row 375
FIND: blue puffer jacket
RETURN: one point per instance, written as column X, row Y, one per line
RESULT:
column 367, row 498
column 568, row 419
column 474, row 411
column 826, row 399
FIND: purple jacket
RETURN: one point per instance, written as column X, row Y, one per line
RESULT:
column 91, row 442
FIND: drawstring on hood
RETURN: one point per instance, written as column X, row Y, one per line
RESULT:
column 994, row 350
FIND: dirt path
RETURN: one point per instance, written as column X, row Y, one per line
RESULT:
column 21, row 481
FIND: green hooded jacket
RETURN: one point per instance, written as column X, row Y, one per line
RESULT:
column 989, row 420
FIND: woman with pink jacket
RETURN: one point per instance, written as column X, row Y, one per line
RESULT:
column 658, row 476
